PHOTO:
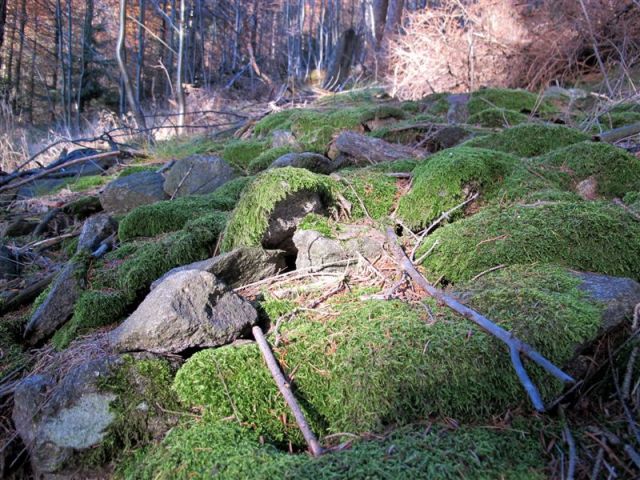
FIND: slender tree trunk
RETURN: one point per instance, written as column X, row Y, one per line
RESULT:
column 380, row 8
column 69, row 92
column 3, row 22
column 126, row 82
column 141, row 45
column 87, row 54
column 18, row 79
column 32, row 80
column 179, row 69
column 394, row 16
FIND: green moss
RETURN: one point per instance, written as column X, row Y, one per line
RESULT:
column 70, row 246
column 249, row 220
column 178, row 148
column 567, row 233
column 435, row 104
column 233, row 452
column 86, row 183
column 376, row 363
column 618, row 119
column 240, row 153
column 171, row 215
column 446, row 179
column 143, row 400
column 266, row 158
column 365, row 96
column 83, row 206
column 274, row 121
column 398, row 166
column 377, row 191
column 529, row 140
column 318, row 223
column 615, row 171
column 498, row 117
column 13, row 355
column 131, row 169
column 517, row 100
column 93, row 309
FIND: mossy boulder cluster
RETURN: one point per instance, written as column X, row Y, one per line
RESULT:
column 514, row 210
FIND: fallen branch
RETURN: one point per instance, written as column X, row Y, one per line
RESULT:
column 285, row 390
column 26, row 295
column 483, row 322
column 611, row 136
column 44, row 173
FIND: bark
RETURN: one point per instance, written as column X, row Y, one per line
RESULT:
column 380, row 8
column 18, row 79
column 342, row 59
column 180, row 99
column 368, row 150
column 141, row 46
column 3, row 22
column 394, row 16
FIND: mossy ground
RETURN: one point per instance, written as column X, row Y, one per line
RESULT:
column 241, row 153
column 520, row 101
column 574, row 234
column 498, row 117
column 171, row 215
column 266, row 158
column 444, row 180
column 371, row 190
column 178, row 148
column 232, row 452
column 379, row 363
column 317, row 223
column 249, row 220
column 618, row 119
column 529, row 140
column 13, row 354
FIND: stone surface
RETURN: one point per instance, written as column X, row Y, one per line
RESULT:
column 56, row 309
column 458, row 111
column 618, row 294
column 90, row 167
column 59, row 421
column 283, row 138
column 286, row 216
column 125, row 194
column 313, row 162
column 197, row 174
column 9, row 267
column 239, row 267
column 39, row 187
column 190, row 309
column 588, row 188
column 94, row 230
column 448, row 137
column 315, row 250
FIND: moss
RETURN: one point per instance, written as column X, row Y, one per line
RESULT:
column 86, row 183
column 619, row 119
column 274, row 121
column 83, row 206
column 498, row 117
column 398, row 166
column 318, row 223
column 615, row 171
column 171, row 215
column 364, row 96
column 240, row 153
column 143, row 397
column 529, row 140
column 178, row 148
column 70, row 246
column 374, row 364
column 13, row 355
column 517, row 100
column 435, row 104
column 229, row 451
column 632, row 200
column 266, row 158
column 446, row 179
column 131, row 169
column 567, row 233
column 93, row 309
column 250, row 218
column 377, row 191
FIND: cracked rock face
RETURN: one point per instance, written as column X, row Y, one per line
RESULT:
column 190, row 309
column 197, row 174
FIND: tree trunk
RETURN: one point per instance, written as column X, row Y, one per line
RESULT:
column 141, row 45
column 18, row 80
column 3, row 22
column 342, row 59
column 32, row 82
column 394, row 16
column 126, row 82
column 380, row 8
column 179, row 70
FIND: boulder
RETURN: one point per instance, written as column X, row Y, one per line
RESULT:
column 283, row 138
column 125, row 194
column 90, row 167
column 286, row 216
column 197, row 174
column 9, row 267
column 238, row 267
column 313, row 162
column 315, row 250
column 56, row 309
column 190, row 309
column 95, row 230
column 58, row 422
column 364, row 150
column 458, row 108
column 39, row 187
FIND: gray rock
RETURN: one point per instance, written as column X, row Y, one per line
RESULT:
column 315, row 250
column 458, row 111
column 94, row 230
column 313, row 162
column 239, row 267
column 197, row 174
column 284, row 138
column 39, row 187
column 9, row 267
column 125, row 194
column 286, row 216
column 619, row 296
column 190, row 309
column 56, row 309
column 59, row 421
column 448, row 137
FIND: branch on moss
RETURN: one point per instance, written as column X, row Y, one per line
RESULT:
column 514, row 344
column 285, row 390
column 612, row 136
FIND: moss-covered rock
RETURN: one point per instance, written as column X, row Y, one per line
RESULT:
column 618, row 119
column 182, row 147
column 447, row 178
column 379, row 363
column 614, row 171
column 13, row 354
column 574, row 234
column 529, row 140
column 250, row 219
column 171, row 215
column 240, row 153
column 266, row 158
column 234, row 452
column 498, row 117
column 516, row 100
column 371, row 190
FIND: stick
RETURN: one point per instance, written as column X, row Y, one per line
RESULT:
column 285, row 390
column 479, row 319
column 27, row 294
column 60, row 167
column 616, row 134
